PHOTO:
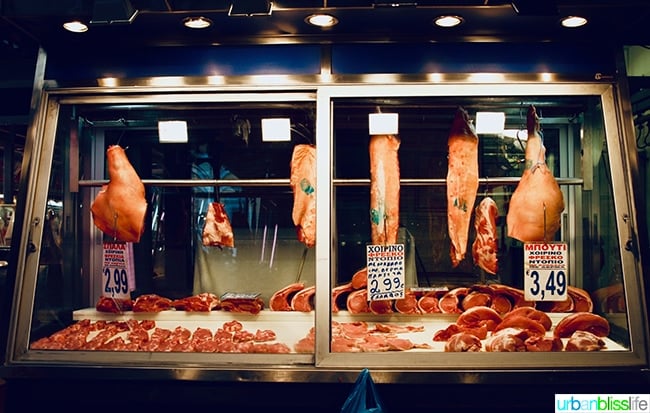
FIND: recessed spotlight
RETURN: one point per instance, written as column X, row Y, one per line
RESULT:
column 322, row 20
column 448, row 21
column 573, row 21
column 75, row 26
column 197, row 22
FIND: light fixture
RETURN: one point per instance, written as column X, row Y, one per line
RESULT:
column 172, row 131
column 199, row 22
column 276, row 130
column 322, row 20
column 248, row 8
column 490, row 122
column 113, row 12
column 383, row 123
column 75, row 26
column 573, row 21
column 448, row 20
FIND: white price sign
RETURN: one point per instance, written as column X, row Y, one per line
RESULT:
column 385, row 271
column 545, row 271
column 117, row 272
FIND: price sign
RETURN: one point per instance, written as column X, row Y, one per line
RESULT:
column 118, row 277
column 385, row 271
column 545, row 271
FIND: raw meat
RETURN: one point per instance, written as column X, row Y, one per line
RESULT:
column 533, row 314
column 357, row 302
column 478, row 296
column 360, row 279
column 484, row 248
column 303, row 185
column 151, row 303
column 200, row 302
column 462, row 183
column 463, row 342
column 384, row 188
column 381, row 306
column 119, row 208
column 217, row 231
column 408, row 304
column 302, row 300
column 250, row 305
column 536, row 205
column 479, row 316
column 113, row 305
column 281, row 299
column 507, row 342
column 429, row 303
column 581, row 299
column 592, row 323
column 584, row 341
column 521, row 322
column 542, row 343
column 340, row 296
column 450, row 302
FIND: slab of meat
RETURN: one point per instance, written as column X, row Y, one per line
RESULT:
column 360, row 279
column 592, row 323
column 384, row 188
column 505, row 342
column 119, row 208
column 478, row 296
column 242, row 303
column 584, row 341
column 113, row 305
column 484, row 248
column 217, row 231
column 463, row 342
column 533, row 314
column 381, row 306
column 357, row 302
column 408, row 304
column 303, row 185
column 462, row 183
column 450, row 302
column 302, row 300
column 200, row 303
column 429, row 303
column 542, row 343
column 531, row 327
column 536, row 205
column 340, row 295
column 281, row 299
column 151, row 303
column 479, row 316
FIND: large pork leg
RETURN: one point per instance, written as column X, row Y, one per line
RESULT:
column 537, row 203
column 303, row 184
column 119, row 208
column 384, row 188
column 462, row 183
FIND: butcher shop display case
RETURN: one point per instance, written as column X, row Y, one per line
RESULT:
column 210, row 233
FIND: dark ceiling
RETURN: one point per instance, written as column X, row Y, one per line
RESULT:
column 25, row 24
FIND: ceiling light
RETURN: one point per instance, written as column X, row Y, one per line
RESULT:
column 573, row 21
column 322, row 20
column 448, row 21
column 75, row 26
column 197, row 22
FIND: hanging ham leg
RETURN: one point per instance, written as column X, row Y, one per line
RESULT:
column 484, row 248
column 537, row 203
column 384, row 188
column 119, row 208
column 217, row 231
column 303, row 184
column 462, row 183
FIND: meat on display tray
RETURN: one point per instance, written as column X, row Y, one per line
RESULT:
column 290, row 327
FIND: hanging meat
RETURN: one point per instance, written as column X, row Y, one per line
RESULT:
column 484, row 248
column 217, row 231
column 462, row 183
column 119, row 208
column 303, row 185
column 537, row 203
column 384, row 189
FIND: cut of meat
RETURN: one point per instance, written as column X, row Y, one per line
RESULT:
column 381, row 307
column 357, row 302
column 581, row 299
column 478, row 296
column 537, row 203
column 384, row 188
column 584, row 341
column 303, row 185
column 505, row 341
column 340, row 296
column 463, row 342
column 250, row 305
column 592, row 323
column 462, row 183
column 533, row 314
column 429, row 302
column 450, row 302
column 360, row 279
column 521, row 322
column 515, row 295
column 151, row 303
column 302, row 300
column 281, row 299
column 479, row 316
column 113, row 305
column 200, row 302
column 217, row 231
column 408, row 304
column 540, row 343
column 484, row 248
column 120, row 206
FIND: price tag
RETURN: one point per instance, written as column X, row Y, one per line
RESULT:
column 545, row 271
column 118, row 275
column 385, row 271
